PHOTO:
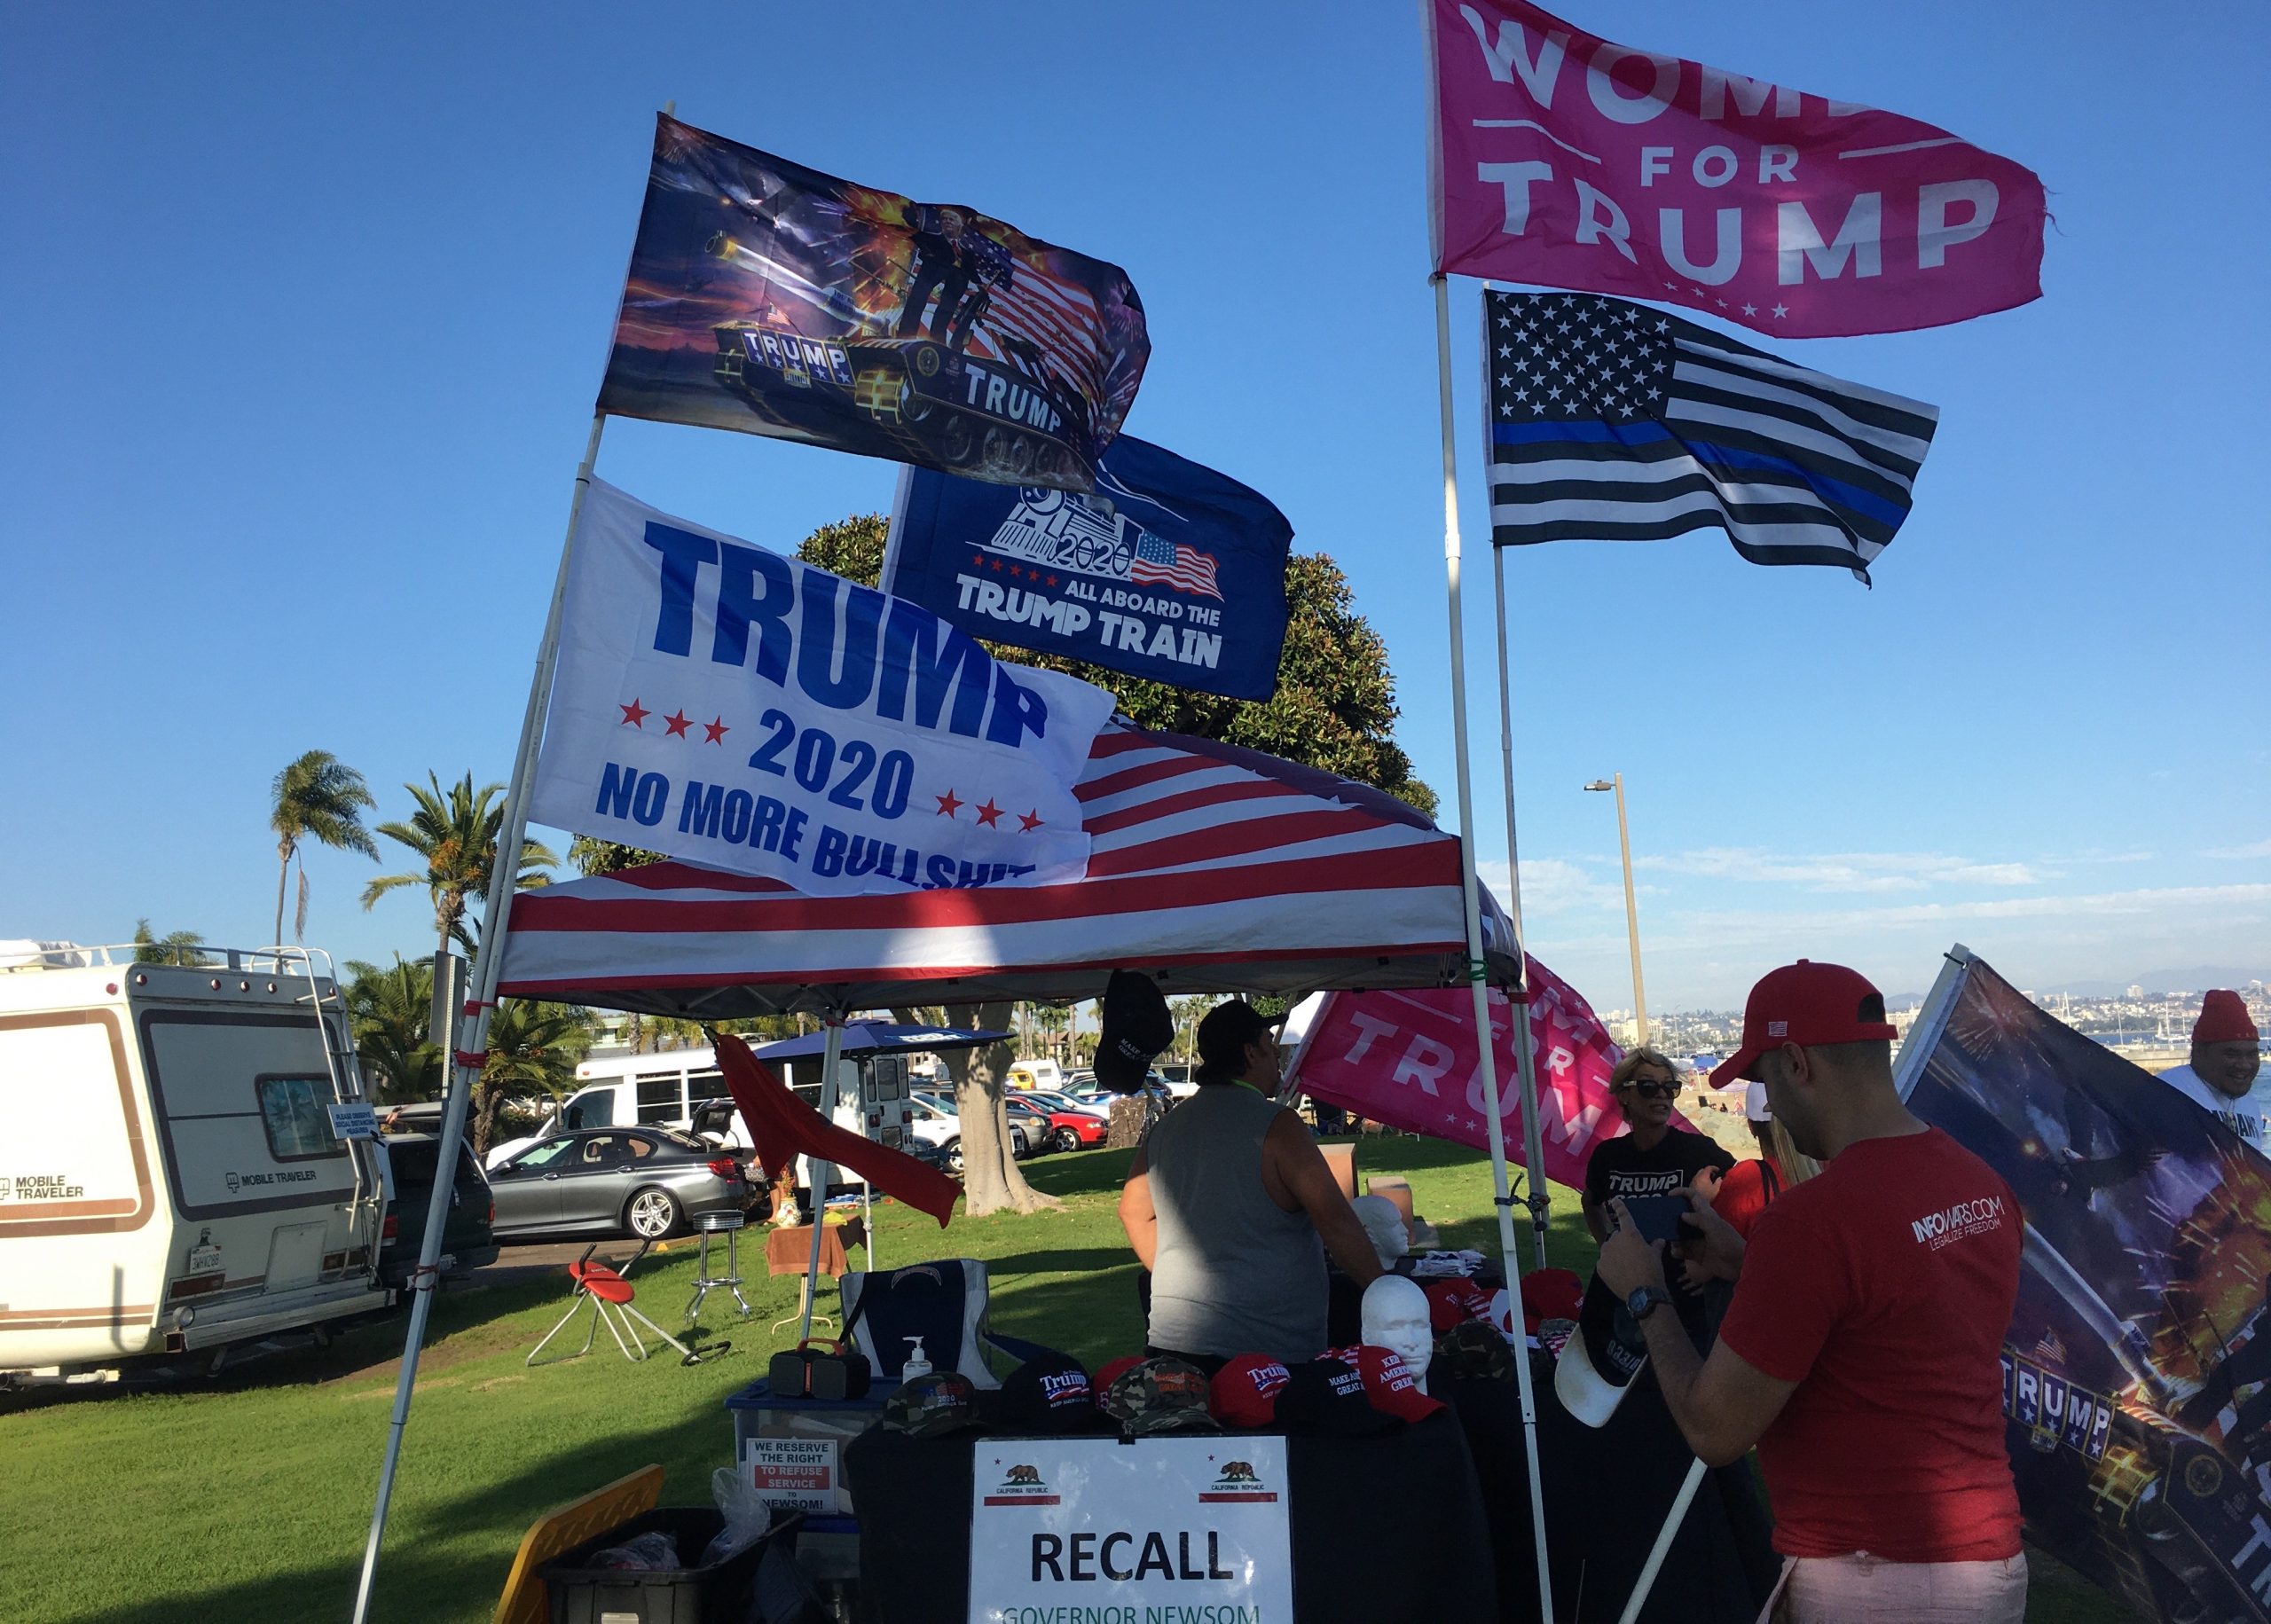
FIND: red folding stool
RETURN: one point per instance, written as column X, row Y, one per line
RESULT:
column 610, row 1295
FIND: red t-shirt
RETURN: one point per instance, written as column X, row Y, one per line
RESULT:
column 1744, row 1192
column 1883, row 1289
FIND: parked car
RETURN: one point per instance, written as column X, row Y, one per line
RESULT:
column 467, row 1240
column 1072, row 1126
column 642, row 1182
column 933, row 1120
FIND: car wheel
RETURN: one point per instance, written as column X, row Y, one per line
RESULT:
column 1066, row 1139
column 1019, row 1147
column 953, row 1149
column 652, row 1215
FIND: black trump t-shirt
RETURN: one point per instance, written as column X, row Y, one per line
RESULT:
column 1619, row 1169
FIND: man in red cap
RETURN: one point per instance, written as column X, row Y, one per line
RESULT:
column 1861, row 1352
column 2226, row 1056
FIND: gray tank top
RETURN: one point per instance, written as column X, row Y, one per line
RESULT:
column 1234, row 1272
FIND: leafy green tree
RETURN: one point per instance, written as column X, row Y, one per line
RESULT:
column 321, row 798
column 456, row 832
column 589, row 855
column 533, row 1048
column 174, row 947
column 390, row 1012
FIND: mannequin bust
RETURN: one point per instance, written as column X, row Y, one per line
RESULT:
column 1383, row 1226
column 1395, row 1318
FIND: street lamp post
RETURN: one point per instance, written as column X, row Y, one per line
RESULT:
column 1631, row 910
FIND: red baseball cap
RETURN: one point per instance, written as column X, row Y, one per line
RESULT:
column 1450, row 1301
column 1387, row 1381
column 1551, row 1294
column 1244, row 1390
column 1805, row 1003
column 1111, row 1373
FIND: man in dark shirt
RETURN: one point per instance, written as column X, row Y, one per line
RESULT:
column 1654, row 1158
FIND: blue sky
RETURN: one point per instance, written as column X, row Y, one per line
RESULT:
column 304, row 306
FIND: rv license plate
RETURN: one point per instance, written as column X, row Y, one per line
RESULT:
column 204, row 1260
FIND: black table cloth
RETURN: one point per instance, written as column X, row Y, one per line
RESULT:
column 1380, row 1528
column 1607, row 1492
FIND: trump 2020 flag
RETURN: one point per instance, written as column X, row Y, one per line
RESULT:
column 1560, row 158
column 1610, row 421
column 1170, row 571
column 722, row 703
column 773, row 299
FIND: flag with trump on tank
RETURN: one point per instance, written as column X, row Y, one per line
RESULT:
column 770, row 298
column 723, row 704
column 1610, row 421
column 1169, row 571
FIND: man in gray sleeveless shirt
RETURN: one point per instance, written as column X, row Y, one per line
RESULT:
column 1232, row 1208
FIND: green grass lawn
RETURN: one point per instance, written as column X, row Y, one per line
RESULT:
column 250, row 1497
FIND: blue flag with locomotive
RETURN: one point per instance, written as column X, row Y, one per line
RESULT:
column 1169, row 571
column 2137, row 1368
column 772, row 299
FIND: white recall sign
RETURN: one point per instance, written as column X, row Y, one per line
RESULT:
column 1164, row 1531
column 734, row 707
column 799, row 1474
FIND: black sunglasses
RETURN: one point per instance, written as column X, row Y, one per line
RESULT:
column 1648, row 1090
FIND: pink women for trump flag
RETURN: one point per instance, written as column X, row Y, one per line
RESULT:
column 1409, row 1060
column 1564, row 160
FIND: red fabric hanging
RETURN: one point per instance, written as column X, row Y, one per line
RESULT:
column 782, row 1126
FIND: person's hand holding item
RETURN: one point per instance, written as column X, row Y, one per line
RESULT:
column 1629, row 1260
column 1706, row 1184
column 1708, row 1248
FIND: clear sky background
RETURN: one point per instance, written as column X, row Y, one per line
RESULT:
column 303, row 309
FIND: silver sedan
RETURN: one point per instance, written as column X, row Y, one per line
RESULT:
column 642, row 1182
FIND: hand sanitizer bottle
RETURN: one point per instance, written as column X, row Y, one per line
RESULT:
column 917, row 1362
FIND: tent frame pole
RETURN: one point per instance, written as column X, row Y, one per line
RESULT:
column 1487, row 1071
column 481, row 998
column 822, row 1172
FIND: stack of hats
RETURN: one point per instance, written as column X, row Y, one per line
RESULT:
column 1049, row 1392
column 934, row 1406
column 1454, row 1301
column 1148, row 1397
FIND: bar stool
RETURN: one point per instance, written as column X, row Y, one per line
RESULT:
column 729, row 1225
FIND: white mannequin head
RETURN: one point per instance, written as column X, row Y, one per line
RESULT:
column 1384, row 1224
column 1395, row 1318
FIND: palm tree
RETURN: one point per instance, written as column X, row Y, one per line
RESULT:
column 318, row 797
column 174, row 947
column 533, row 1048
column 390, row 1012
column 456, row 832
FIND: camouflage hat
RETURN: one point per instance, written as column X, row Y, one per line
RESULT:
column 1159, row 1395
column 932, row 1406
column 1474, row 1351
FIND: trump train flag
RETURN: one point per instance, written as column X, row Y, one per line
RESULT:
column 1613, row 422
column 726, row 705
column 773, row 299
column 2137, row 1368
column 1560, row 158
column 1170, row 571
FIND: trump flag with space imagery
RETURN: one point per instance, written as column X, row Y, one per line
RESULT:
column 770, row 298
column 2137, row 1368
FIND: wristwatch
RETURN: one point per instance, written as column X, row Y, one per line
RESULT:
column 1646, row 1301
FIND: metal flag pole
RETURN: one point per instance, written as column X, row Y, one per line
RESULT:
column 1658, row 1552
column 818, row 1170
column 1470, row 888
column 469, row 1059
column 1538, row 1200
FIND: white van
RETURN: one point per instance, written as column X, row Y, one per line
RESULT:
column 671, row 1089
column 170, row 1182
column 1044, row 1074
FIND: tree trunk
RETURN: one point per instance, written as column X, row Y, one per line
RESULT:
column 486, row 1099
column 283, row 873
column 992, row 1181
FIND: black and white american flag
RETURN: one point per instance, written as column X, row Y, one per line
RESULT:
column 1612, row 421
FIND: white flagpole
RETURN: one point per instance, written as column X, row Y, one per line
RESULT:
column 819, row 1172
column 1470, row 888
column 482, row 999
column 1540, row 1204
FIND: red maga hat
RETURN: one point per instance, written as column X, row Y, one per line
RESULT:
column 2224, row 1019
column 1805, row 1003
column 1245, row 1391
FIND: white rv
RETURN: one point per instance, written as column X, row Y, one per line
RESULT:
column 169, row 1183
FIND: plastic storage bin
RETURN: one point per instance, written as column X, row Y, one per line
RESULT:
column 714, row 1595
